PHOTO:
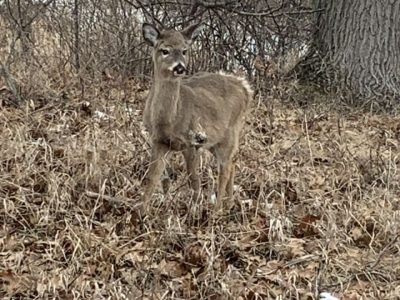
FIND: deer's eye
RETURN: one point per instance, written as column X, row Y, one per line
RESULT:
column 184, row 52
column 165, row 52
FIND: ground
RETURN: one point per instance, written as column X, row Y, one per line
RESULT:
column 317, row 205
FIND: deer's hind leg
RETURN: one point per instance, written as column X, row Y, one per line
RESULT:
column 230, row 184
column 225, row 169
column 225, row 154
column 192, row 159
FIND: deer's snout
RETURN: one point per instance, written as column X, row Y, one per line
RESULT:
column 179, row 69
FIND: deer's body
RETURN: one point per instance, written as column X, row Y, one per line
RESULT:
column 212, row 102
column 177, row 106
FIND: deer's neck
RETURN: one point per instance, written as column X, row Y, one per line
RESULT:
column 166, row 100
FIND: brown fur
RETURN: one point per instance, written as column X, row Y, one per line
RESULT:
column 212, row 103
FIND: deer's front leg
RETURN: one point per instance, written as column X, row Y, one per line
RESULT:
column 192, row 158
column 157, row 166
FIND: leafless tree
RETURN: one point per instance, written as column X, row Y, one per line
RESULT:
column 59, row 39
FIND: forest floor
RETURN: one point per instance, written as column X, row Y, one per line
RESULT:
column 317, row 205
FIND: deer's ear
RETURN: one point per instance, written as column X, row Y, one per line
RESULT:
column 150, row 34
column 192, row 31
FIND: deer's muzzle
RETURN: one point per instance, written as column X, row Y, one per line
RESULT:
column 179, row 70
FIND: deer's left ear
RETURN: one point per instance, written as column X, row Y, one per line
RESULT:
column 150, row 34
column 192, row 31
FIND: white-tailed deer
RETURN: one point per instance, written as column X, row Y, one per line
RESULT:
column 183, row 112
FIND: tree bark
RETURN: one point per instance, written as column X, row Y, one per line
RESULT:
column 359, row 44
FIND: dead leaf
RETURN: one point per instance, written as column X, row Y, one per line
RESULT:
column 351, row 296
column 13, row 284
column 195, row 256
column 360, row 237
column 172, row 268
column 307, row 227
column 361, row 286
column 295, row 248
column 356, row 233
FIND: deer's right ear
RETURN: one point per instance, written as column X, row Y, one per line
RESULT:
column 150, row 34
column 191, row 32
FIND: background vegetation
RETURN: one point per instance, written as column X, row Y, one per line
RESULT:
column 318, row 186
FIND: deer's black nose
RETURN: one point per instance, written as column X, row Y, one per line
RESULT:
column 179, row 69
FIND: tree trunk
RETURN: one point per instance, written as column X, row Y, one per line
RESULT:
column 76, row 49
column 359, row 43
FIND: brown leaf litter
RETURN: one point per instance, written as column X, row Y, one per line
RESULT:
column 317, row 207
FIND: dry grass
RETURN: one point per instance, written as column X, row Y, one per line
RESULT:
column 317, row 206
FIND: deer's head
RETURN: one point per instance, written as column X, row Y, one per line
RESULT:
column 170, row 49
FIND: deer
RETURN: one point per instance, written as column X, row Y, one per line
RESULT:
column 187, row 112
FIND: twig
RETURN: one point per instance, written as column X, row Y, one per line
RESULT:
column 301, row 259
column 113, row 200
column 380, row 255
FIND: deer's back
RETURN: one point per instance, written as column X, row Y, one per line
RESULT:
column 217, row 102
column 224, row 93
